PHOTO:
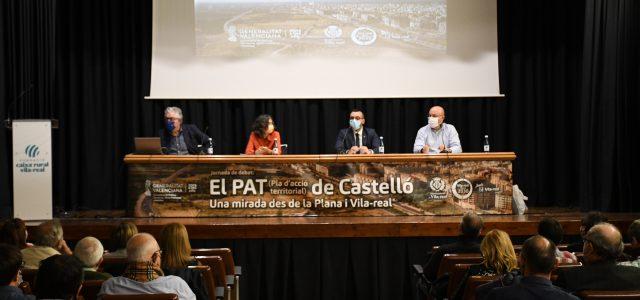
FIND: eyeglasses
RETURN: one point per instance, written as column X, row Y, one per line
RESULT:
column 357, row 118
column 172, row 119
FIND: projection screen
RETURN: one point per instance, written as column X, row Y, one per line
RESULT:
column 292, row 49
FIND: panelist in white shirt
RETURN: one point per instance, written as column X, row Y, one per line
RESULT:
column 437, row 136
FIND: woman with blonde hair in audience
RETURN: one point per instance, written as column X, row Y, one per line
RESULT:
column 119, row 238
column 498, row 258
column 176, row 249
column 176, row 258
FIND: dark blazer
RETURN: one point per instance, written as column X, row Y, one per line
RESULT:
column 193, row 278
column 461, row 246
column 531, row 287
column 346, row 140
column 604, row 276
column 192, row 137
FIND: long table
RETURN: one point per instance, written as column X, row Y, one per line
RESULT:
column 319, row 185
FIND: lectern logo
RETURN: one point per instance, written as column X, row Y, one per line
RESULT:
column 437, row 184
column 32, row 151
column 462, row 188
column 363, row 36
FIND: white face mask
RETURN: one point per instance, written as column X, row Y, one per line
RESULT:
column 433, row 122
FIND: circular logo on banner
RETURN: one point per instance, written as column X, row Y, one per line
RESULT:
column 437, row 184
column 32, row 151
column 363, row 36
column 462, row 188
column 333, row 32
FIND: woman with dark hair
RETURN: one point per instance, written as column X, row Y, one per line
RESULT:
column 14, row 232
column 264, row 137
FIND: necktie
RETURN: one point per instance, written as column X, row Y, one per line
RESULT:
column 358, row 140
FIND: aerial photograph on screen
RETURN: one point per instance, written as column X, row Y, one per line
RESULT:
column 332, row 28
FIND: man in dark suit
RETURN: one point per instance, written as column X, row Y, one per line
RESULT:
column 357, row 139
column 469, row 228
column 537, row 260
column 602, row 246
column 178, row 138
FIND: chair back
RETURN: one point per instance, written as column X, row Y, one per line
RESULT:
column 90, row 289
column 602, row 295
column 217, row 266
column 473, row 283
column 224, row 253
column 455, row 277
column 449, row 260
column 209, row 282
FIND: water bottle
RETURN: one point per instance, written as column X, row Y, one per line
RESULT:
column 486, row 143
column 381, row 148
column 210, row 147
column 276, row 147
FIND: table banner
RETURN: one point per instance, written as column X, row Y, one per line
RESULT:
column 320, row 189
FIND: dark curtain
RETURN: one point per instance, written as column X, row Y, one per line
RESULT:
column 569, row 71
column 610, row 93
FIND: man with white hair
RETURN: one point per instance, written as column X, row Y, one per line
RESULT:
column 143, row 274
column 89, row 251
column 178, row 138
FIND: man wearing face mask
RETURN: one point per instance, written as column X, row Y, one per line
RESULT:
column 357, row 139
column 178, row 138
column 437, row 136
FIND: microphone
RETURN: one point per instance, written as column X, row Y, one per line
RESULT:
column 344, row 137
column 202, row 140
column 15, row 100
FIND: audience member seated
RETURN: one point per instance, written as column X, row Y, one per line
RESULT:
column 10, row 277
column 48, row 240
column 469, row 229
column 176, row 249
column 603, row 245
column 176, row 258
column 589, row 220
column 119, row 238
column 634, row 250
column 14, row 232
column 89, row 251
column 498, row 258
column 143, row 274
column 552, row 230
column 59, row 277
column 537, row 260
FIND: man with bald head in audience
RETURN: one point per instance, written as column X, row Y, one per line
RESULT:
column 437, row 136
column 602, row 246
column 143, row 274
column 536, row 261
